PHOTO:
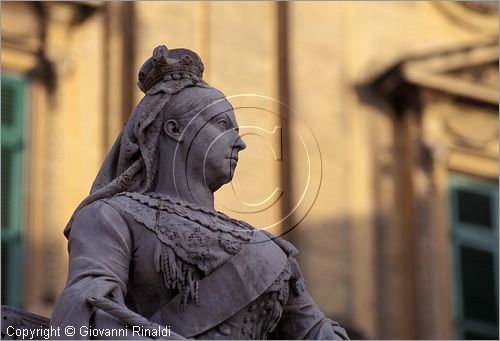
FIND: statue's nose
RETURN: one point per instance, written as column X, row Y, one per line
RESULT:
column 240, row 145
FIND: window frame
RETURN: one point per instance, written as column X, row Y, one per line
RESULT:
column 474, row 236
column 13, row 139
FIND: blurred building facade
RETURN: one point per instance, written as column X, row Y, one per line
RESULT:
column 402, row 99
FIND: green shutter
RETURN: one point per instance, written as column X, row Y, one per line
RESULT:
column 13, row 106
column 474, row 244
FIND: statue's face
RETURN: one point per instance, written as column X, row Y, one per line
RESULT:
column 213, row 145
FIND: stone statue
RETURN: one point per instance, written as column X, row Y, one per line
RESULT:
column 149, row 254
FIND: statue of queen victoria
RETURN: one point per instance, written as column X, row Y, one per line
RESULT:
column 148, row 249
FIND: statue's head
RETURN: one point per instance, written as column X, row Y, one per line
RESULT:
column 198, row 129
column 200, row 134
column 180, row 118
column 181, row 122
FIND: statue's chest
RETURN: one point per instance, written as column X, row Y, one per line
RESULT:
column 201, row 238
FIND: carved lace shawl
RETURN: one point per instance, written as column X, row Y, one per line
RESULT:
column 195, row 241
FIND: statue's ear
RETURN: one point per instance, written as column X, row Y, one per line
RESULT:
column 171, row 128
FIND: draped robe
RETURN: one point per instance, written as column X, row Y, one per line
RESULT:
column 143, row 250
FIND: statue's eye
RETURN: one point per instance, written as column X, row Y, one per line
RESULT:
column 222, row 123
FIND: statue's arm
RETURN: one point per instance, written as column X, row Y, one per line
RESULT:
column 100, row 251
column 303, row 320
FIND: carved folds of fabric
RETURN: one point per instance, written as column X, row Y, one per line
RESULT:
column 195, row 242
column 295, row 279
column 261, row 317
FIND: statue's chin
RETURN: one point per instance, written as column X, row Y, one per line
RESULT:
column 223, row 180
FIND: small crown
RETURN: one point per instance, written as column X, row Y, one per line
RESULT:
column 169, row 64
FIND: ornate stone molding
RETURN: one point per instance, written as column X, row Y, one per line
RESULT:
column 471, row 129
column 473, row 15
column 482, row 7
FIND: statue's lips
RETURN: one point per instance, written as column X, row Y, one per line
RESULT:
column 234, row 158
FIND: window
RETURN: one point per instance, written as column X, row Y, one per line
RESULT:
column 13, row 111
column 474, row 238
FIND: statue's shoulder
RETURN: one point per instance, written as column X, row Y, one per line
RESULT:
column 288, row 248
column 145, row 206
column 126, row 197
column 146, row 200
column 157, row 213
column 198, row 236
column 131, row 202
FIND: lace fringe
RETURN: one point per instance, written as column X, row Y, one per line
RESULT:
column 296, row 280
column 179, row 276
